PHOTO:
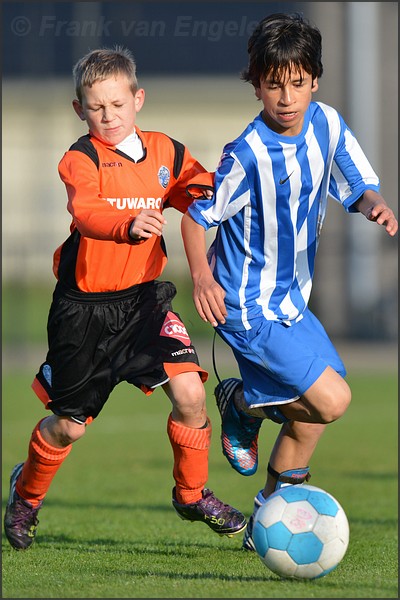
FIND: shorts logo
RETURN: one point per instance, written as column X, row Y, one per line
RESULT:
column 163, row 176
column 174, row 328
column 183, row 351
column 47, row 374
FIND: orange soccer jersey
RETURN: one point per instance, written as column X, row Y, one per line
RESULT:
column 106, row 190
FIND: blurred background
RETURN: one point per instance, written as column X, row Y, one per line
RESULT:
column 189, row 57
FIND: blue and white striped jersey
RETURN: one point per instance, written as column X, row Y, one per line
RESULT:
column 269, row 205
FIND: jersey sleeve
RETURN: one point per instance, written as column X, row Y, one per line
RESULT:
column 91, row 213
column 187, row 169
column 199, row 184
column 231, row 194
column 352, row 174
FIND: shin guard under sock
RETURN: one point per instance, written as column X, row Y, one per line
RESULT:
column 190, row 447
column 40, row 467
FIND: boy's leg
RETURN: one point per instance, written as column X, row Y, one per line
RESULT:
column 293, row 449
column 29, row 484
column 190, row 445
column 289, row 373
column 325, row 401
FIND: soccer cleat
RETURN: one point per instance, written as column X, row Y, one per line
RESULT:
column 290, row 477
column 239, row 432
column 20, row 519
column 248, row 543
column 220, row 517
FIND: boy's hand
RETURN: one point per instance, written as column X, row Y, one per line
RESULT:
column 147, row 223
column 374, row 207
column 383, row 215
column 208, row 297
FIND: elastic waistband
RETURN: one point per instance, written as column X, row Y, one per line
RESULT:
column 106, row 297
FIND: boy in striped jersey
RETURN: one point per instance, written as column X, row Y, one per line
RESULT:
column 254, row 284
column 111, row 318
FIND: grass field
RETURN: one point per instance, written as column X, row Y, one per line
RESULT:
column 108, row 530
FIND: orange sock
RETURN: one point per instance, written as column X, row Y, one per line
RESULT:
column 40, row 467
column 190, row 447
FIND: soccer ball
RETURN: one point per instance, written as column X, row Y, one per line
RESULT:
column 301, row 532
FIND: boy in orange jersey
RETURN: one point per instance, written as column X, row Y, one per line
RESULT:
column 111, row 320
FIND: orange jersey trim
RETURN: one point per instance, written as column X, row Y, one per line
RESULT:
column 41, row 392
column 44, row 397
column 173, row 369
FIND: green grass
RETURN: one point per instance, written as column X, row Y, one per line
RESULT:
column 108, row 530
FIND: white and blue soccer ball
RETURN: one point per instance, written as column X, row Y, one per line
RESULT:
column 301, row 532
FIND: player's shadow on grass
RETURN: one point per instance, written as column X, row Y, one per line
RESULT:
column 207, row 575
column 48, row 543
column 132, row 546
column 84, row 505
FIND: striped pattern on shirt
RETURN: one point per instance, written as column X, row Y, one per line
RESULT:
column 269, row 205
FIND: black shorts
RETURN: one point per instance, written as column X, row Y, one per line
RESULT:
column 97, row 340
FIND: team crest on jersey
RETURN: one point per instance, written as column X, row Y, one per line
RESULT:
column 163, row 176
column 174, row 328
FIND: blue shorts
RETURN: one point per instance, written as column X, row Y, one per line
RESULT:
column 277, row 362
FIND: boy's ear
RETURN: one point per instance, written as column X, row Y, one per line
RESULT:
column 139, row 99
column 78, row 109
column 314, row 86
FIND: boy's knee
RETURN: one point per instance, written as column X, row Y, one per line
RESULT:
column 189, row 402
column 61, row 431
column 336, row 405
column 328, row 398
column 194, row 397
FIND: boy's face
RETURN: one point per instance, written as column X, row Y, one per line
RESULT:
column 286, row 100
column 109, row 107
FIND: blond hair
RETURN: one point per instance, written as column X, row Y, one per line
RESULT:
column 101, row 64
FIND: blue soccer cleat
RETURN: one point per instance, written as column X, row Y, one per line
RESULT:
column 239, row 432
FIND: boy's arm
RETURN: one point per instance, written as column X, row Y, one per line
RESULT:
column 208, row 295
column 92, row 213
column 374, row 208
column 191, row 174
